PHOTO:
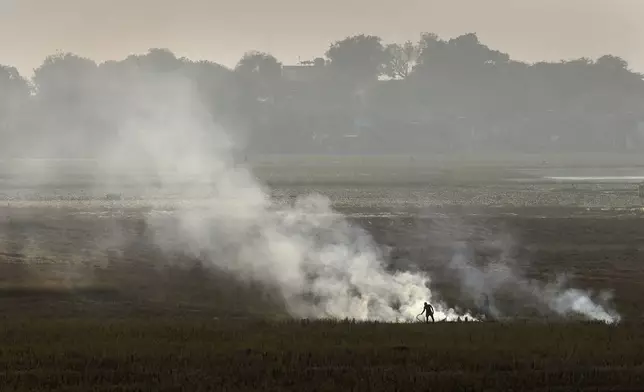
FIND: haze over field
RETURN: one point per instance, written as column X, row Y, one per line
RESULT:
column 258, row 195
column 150, row 120
column 459, row 76
column 321, row 265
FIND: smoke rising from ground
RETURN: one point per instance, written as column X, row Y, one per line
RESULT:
column 483, row 283
column 321, row 265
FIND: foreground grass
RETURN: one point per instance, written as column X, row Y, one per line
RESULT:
column 195, row 355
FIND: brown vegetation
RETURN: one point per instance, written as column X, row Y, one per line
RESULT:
column 83, row 313
column 170, row 355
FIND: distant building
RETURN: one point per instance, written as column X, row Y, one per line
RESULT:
column 306, row 71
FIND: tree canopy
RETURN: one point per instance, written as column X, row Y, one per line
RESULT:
column 431, row 95
column 360, row 58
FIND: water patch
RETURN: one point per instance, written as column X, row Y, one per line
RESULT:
column 633, row 179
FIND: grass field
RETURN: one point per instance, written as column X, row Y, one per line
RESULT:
column 163, row 354
column 133, row 326
column 89, row 302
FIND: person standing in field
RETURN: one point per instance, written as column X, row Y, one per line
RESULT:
column 428, row 310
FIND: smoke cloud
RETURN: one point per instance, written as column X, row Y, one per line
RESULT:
column 321, row 264
column 501, row 276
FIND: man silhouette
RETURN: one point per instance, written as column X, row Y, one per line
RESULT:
column 428, row 309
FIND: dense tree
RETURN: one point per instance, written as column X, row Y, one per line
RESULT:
column 319, row 62
column 215, row 84
column 14, row 101
column 157, row 60
column 259, row 66
column 612, row 63
column 14, row 91
column 360, row 58
column 439, row 95
column 12, row 84
column 64, row 77
column 402, row 59
column 68, row 94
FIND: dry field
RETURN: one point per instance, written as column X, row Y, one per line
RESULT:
column 90, row 302
column 181, row 354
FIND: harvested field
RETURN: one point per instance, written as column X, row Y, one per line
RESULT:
column 89, row 298
column 137, row 354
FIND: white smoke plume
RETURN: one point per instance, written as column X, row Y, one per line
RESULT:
column 323, row 266
column 216, row 211
column 483, row 282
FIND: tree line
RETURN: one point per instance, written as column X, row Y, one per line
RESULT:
column 362, row 96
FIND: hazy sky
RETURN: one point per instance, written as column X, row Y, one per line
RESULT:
column 217, row 30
